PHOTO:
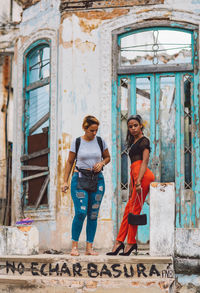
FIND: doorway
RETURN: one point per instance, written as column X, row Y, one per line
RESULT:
column 157, row 79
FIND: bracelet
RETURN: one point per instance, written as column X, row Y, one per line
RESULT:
column 137, row 184
column 103, row 163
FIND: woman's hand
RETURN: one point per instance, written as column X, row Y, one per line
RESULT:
column 98, row 167
column 138, row 187
column 65, row 187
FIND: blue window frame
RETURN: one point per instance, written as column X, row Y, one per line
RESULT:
column 36, row 124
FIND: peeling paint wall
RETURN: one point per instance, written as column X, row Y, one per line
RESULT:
column 3, row 99
column 81, row 80
column 8, row 27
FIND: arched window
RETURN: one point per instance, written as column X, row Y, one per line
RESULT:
column 36, row 122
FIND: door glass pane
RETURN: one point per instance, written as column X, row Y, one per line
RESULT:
column 143, row 102
column 156, row 46
column 124, row 86
column 167, row 128
column 187, row 132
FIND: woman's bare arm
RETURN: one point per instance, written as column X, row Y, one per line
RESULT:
column 68, row 168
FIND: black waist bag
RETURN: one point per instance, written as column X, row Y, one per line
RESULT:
column 87, row 180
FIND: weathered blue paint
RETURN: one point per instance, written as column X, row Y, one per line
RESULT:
column 179, row 176
column 192, row 41
column 114, row 152
column 157, row 131
column 133, row 105
column 187, row 215
column 152, row 118
column 143, row 231
column 118, row 193
column 196, row 144
column 182, row 26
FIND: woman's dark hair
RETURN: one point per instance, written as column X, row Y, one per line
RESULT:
column 89, row 120
column 129, row 137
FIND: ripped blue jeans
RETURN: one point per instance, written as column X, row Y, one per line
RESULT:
column 86, row 204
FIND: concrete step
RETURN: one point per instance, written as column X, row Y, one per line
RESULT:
column 85, row 273
column 73, row 285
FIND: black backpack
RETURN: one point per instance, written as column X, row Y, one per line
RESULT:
column 99, row 140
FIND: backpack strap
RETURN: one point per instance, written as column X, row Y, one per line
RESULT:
column 78, row 141
column 100, row 142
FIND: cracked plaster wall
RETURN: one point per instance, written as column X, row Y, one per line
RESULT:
column 81, row 84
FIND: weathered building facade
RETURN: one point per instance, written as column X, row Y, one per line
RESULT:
column 62, row 60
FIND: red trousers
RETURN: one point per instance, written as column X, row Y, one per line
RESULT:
column 134, row 204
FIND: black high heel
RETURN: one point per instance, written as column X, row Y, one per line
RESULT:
column 134, row 247
column 117, row 250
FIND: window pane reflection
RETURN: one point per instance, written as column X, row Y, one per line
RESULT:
column 39, row 62
column 38, row 107
column 187, row 132
column 143, row 102
column 167, row 128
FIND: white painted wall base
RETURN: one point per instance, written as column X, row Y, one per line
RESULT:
column 162, row 219
column 21, row 240
column 187, row 242
column 2, row 241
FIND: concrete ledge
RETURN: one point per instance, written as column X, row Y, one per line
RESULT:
column 65, row 285
column 186, row 266
column 187, row 242
column 162, row 219
column 94, row 267
column 19, row 240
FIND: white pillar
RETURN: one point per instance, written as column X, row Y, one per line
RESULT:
column 162, row 219
column 21, row 240
column 3, row 234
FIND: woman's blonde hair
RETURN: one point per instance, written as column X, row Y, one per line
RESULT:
column 89, row 120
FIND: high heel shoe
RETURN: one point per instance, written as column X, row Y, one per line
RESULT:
column 134, row 247
column 117, row 250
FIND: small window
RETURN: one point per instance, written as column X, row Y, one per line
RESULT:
column 35, row 160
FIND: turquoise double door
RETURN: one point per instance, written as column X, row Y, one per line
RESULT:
column 169, row 105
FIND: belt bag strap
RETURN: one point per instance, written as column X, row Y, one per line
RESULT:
column 87, row 173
